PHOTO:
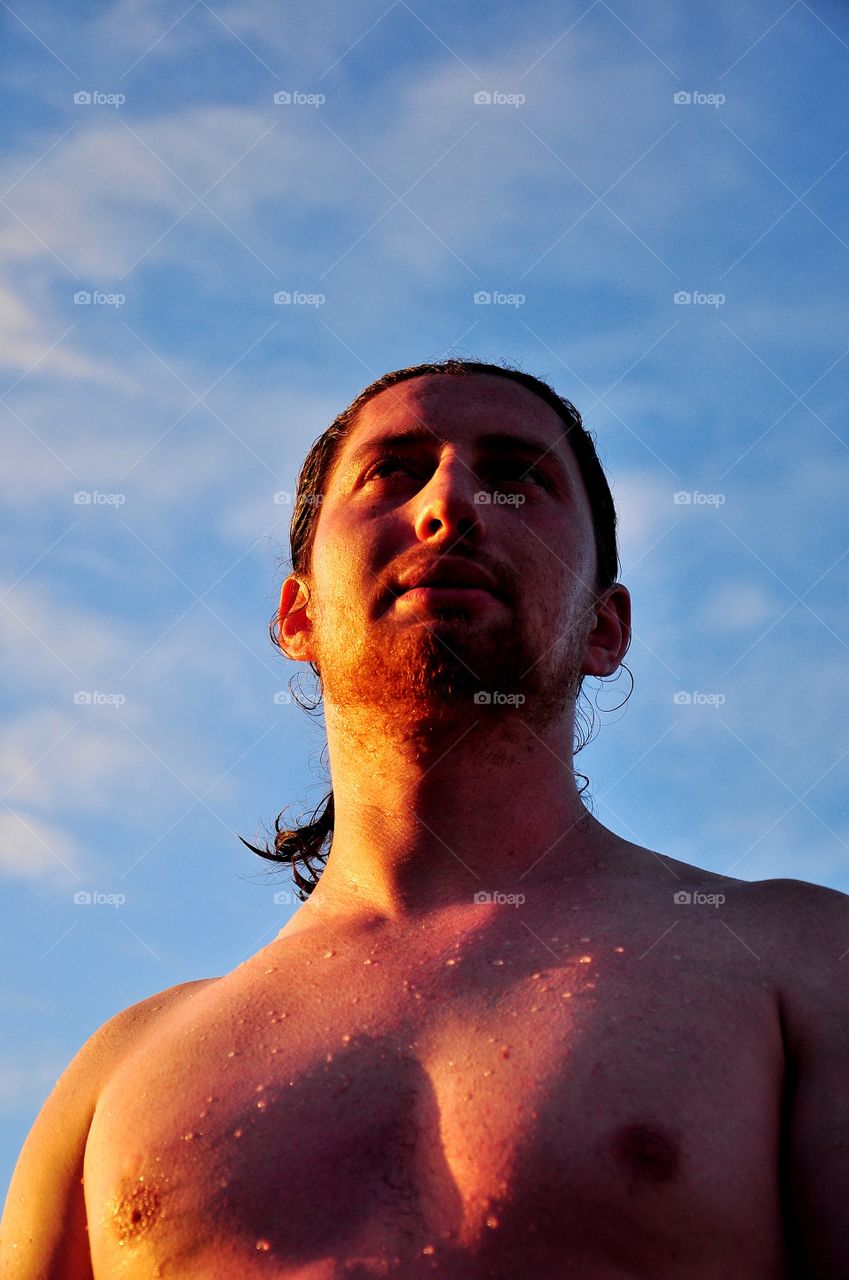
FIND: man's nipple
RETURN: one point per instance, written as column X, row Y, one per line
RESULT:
column 135, row 1209
column 649, row 1152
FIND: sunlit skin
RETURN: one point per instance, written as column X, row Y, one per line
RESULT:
column 437, row 796
column 579, row 1080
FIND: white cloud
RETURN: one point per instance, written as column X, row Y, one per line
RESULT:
column 32, row 848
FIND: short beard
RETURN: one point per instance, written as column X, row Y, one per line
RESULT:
column 442, row 674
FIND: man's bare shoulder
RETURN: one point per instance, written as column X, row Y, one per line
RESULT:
column 127, row 1030
column 809, row 926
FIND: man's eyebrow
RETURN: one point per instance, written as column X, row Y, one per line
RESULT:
column 492, row 441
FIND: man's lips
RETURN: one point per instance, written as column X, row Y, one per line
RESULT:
column 451, row 572
column 436, row 596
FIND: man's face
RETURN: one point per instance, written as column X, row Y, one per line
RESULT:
column 533, row 534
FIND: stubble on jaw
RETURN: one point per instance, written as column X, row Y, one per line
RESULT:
column 415, row 681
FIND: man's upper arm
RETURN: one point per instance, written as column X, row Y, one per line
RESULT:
column 816, row 1137
column 43, row 1233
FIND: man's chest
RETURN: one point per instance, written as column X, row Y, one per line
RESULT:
column 552, row 1104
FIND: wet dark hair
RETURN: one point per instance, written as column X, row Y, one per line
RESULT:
column 296, row 847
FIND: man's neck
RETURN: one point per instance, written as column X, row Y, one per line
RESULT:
column 423, row 825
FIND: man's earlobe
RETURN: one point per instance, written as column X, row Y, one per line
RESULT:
column 610, row 636
column 294, row 624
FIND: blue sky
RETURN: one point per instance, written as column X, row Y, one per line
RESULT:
column 629, row 154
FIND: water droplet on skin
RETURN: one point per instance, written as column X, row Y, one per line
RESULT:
column 534, row 977
column 619, row 949
column 262, row 1104
column 328, row 1057
column 585, row 939
column 428, row 1249
column 498, row 962
column 452, row 961
column 492, row 1221
column 346, row 1039
column 567, row 995
column 505, row 1051
column 237, row 1133
column 263, row 1246
column 328, row 954
column 585, row 960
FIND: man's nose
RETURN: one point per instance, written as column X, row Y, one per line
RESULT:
column 447, row 502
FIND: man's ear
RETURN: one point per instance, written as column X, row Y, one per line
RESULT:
column 294, row 623
column 610, row 635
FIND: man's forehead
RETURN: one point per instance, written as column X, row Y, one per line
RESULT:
column 457, row 407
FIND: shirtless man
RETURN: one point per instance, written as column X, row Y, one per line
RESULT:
column 493, row 1043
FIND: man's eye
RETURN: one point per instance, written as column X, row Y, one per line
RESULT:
column 506, row 470
column 520, row 472
column 387, row 464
